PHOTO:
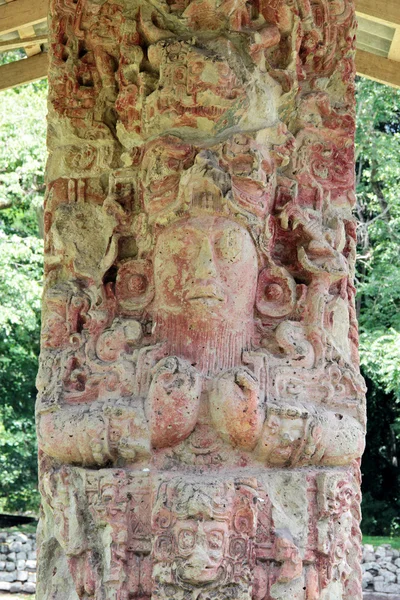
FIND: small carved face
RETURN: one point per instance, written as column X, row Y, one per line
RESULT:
column 281, row 437
column 55, row 331
column 201, row 547
column 206, row 267
column 211, row 76
column 161, row 168
column 340, row 498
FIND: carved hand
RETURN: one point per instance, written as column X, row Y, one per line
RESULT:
column 173, row 401
column 236, row 407
column 75, row 435
column 294, row 436
column 284, row 435
column 128, row 431
column 94, row 434
column 340, row 439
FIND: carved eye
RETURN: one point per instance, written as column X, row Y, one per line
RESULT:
column 197, row 67
column 164, row 547
column 186, row 539
column 276, row 293
column 215, row 540
column 134, row 287
column 228, row 246
column 238, row 548
column 137, row 285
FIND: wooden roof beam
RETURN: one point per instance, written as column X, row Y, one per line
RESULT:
column 378, row 68
column 394, row 52
column 16, row 43
column 381, row 11
column 23, row 71
column 22, row 13
column 27, row 32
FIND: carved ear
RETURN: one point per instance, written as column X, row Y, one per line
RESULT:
column 276, row 293
column 134, row 287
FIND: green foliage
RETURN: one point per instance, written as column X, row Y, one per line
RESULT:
column 378, row 302
column 380, row 354
column 22, row 159
column 381, row 482
column 378, row 210
column 11, row 56
column 22, row 156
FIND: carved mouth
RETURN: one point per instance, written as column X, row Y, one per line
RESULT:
column 192, row 575
column 206, row 293
column 200, row 110
column 206, row 111
column 206, row 298
column 282, row 452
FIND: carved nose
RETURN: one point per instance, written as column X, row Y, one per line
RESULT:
column 287, row 438
column 205, row 267
column 199, row 559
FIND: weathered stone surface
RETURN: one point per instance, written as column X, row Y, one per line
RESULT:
column 387, row 587
column 371, row 566
column 380, row 572
column 375, row 596
column 16, row 587
column 8, row 576
column 201, row 415
column 30, row 565
column 21, row 565
column 5, row 586
column 388, row 576
column 367, row 580
column 21, row 556
column 21, row 537
column 28, row 588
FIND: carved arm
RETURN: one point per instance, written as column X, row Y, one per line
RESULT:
column 94, row 434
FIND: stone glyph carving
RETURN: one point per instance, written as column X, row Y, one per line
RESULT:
column 201, row 415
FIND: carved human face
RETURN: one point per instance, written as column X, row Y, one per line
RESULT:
column 206, row 267
column 162, row 164
column 281, row 437
column 201, row 546
column 197, row 89
column 212, row 76
column 55, row 331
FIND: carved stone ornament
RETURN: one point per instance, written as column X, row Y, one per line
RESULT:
column 201, row 416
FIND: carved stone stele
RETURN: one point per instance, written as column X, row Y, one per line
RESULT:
column 200, row 415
